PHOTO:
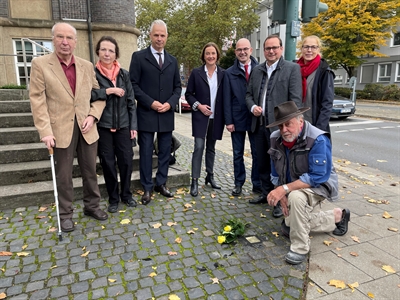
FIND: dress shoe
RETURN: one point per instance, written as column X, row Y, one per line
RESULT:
column 210, row 179
column 294, row 258
column 237, row 190
column 98, row 214
column 260, row 199
column 343, row 225
column 277, row 211
column 285, row 229
column 130, row 203
column 67, row 225
column 112, row 208
column 257, row 190
column 194, row 188
column 146, row 197
column 162, row 189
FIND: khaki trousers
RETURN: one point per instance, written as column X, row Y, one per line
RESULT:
column 302, row 220
column 64, row 168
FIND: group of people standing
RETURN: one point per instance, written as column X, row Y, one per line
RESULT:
column 94, row 112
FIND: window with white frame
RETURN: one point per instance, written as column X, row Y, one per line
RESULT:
column 338, row 79
column 396, row 39
column 31, row 51
column 384, row 71
column 397, row 77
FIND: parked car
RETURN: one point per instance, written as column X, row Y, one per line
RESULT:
column 185, row 106
column 342, row 107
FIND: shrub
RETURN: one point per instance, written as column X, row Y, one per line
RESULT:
column 391, row 92
column 375, row 91
column 342, row 91
column 13, row 87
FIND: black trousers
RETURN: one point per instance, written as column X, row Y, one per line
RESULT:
column 263, row 143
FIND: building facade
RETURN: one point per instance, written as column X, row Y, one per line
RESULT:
column 25, row 31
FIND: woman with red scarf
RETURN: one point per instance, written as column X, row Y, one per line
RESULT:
column 118, row 124
column 318, row 83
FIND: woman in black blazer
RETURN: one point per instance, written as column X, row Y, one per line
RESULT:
column 204, row 94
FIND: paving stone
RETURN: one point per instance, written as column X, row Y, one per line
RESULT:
column 190, row 282
column 212, row 288
column 161, row 289
column 113, row 291
column 57, row 292
column 196, row 293
column 14, row 290
column 41, row 294
column 234, row 295
column 143, row 294
column 21, row 278
column 79, row 287
column 33, row 286
column 98, row 294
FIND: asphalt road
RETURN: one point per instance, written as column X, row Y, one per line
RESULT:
column 365, row 141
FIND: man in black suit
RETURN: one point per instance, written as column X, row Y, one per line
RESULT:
column 157, row 86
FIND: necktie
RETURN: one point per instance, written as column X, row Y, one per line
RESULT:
column 246, row 71
column 159, row 60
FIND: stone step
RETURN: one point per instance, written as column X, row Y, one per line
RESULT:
column 14, row 106
column 18, row 135
column 35, row 171
column 16, row 120
column 41, row 193
column 10, row 94
column 23, row 153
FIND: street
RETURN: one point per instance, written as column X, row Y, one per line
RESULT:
column 371, row 142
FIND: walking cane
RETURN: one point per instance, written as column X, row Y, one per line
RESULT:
column 53, row 174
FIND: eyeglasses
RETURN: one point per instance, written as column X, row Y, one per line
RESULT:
column 272, row 48
column 313, row 48
column 238, row 50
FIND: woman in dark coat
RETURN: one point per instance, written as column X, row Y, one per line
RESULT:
column 318, row 83
column 118, row 124
column 204, row 94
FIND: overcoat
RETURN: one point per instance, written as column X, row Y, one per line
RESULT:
column 198, row 89
column 54, row 105
column 150, row 82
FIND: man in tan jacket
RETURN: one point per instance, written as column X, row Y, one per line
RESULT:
column 60, row 91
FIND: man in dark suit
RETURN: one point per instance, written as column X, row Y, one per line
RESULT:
column 271, row 83
column 238, row 117
column 157, row 86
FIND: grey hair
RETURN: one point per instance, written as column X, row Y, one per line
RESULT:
column 300, row 117
column 158, row 22
column 54, row 26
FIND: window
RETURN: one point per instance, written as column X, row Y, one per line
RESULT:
column 338, row 79
column 31, row 51
column 257, row 44
column 396, row 39
column 367, row 74
column 397, row 78
column 384, row 71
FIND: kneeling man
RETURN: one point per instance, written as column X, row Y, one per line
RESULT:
column 303, row 175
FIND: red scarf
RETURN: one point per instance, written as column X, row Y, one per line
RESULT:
column 109, row 73
column 306, row 70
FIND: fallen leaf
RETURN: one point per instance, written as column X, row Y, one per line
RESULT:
column 122, row 211
column 112, row 280
column 125, row 221
column 327, row 243
column 151, row 240
column 154, row 267
column 388, row 269
column 371, row 295
column 52, row 229
column 5, row 253
column 339, row 255
column 386, row 215
column 369, row 215
column 193, row 202
column 172, row 253
column 195, row 229
column 337, row 283
column 157, row 225
column 312, row 284
column 215, row 280
column 43, row 208
column 213, row 195
column 180, row 191
column 24, row 247
column 393, row 229
column 195, row 210
column 152, row 274
column 338, row 249
column 187, row 205
column 191, row 232
column 102, row 227
column 40, row 217
column 173, row 297
column 85, row 254
column 203, row 197
column 320, row 291
column 3, row 295
column 178, row 240
column 23, row 253
column 53, row 267
column 83, row 248
column 262, row 216
column 171, row 224
column 3, row 270
column 354, row 254
column 355, row 238
column 353, row 286
column 381, row 160
column 275, row 233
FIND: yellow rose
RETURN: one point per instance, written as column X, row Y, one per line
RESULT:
column 227, row 228
column 221, row 239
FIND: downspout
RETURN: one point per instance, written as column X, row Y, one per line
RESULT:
column 89, row 21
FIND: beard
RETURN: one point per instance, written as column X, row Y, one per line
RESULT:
column 289, row 138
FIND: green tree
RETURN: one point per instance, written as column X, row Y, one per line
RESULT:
column 353, row 29
column 193, row 23
column 228, row 59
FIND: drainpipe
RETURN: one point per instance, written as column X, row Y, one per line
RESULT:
column 89, row 22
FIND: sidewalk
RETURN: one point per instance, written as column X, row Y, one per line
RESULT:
column 143, row 259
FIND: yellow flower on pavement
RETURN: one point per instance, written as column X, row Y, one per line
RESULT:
column 221, row 239
column 227, row 228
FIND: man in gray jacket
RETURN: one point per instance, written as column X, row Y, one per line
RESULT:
column 271, row 83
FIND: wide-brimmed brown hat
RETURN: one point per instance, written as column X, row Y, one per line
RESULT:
column 286, row 111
